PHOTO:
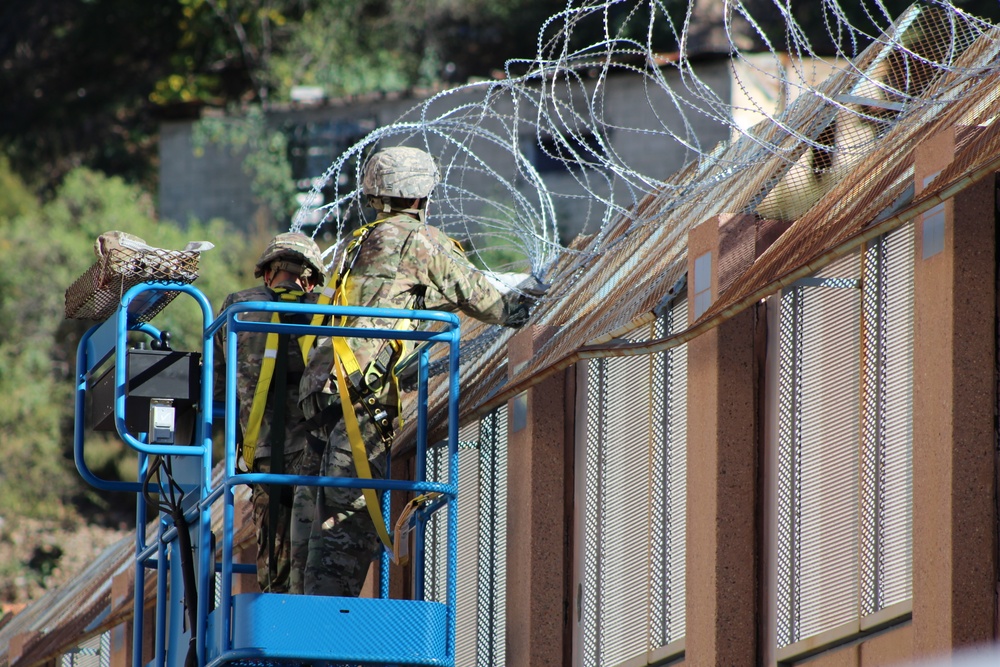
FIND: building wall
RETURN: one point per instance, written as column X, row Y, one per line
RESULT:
column 212, row 183
column 203, row 187
column 897, row 480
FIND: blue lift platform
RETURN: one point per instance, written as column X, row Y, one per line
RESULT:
column 159, row 402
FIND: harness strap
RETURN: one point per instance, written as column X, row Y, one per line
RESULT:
column 359, row 452
column 372, row 379
column 404, row 526
column 265, row 378
column 277, row 441
column 329, row 294
column 355, row 385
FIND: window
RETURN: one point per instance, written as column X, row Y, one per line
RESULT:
column 571, row 150
column 482, row 541
column 631, row 479
column 313, row 147
column 841, row 451
column 92, row 652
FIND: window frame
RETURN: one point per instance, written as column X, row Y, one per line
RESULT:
column 659, row 372
column 873, row 614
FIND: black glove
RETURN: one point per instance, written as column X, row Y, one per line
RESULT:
column 532, row 287
column 519, row 313
column 522, row 299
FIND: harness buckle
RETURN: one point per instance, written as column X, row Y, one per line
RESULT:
column 374, row 376
column 363, row 394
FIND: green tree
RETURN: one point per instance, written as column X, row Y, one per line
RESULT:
column 15, row 197
column 346, row 46
column 86, row 83
column 225, row 49
column 75, row 79
column 53, row 245
column 265, row 151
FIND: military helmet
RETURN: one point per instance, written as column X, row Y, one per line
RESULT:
column 400, row 171
column 298, row 250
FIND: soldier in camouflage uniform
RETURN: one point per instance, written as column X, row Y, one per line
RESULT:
column 401, row 263
column 291, row 266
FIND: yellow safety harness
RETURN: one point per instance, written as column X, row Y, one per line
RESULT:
column 266, row 375
column 365, row 385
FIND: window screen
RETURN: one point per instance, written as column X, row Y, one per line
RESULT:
column 93, row 652
column 633, row 468
column 482, row 541
column 844, row 441
column 887, row 436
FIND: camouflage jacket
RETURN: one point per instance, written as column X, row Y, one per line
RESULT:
column 405, row 263
column 250, row 353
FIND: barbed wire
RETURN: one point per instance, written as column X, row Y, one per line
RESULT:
column 562, row 144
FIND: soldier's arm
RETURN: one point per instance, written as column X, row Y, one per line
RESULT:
column 458, row 283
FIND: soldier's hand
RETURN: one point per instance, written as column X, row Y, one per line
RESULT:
column 522, row 299
column 519, row 313
column 532, row 287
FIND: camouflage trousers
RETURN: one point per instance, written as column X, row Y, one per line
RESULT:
column 273, row 577
column 303, row 510
column 331, row 527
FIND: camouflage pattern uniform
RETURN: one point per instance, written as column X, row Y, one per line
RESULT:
column 403, row 263
column 250, row 353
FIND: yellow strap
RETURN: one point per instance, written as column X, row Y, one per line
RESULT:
column 335, row 294
column 260, row 395
column 264, row 383
column 304, row 349
column 295, row 296
column 403, row 527
column 346, row 364
column 358, row 450
column 306, row 342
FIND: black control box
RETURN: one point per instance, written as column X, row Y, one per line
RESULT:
column 162, row 374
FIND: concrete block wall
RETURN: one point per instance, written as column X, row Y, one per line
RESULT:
column 214, row 184
column 206, row 186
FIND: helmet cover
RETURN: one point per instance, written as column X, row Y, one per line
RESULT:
column 296, row 248
column 400, row 171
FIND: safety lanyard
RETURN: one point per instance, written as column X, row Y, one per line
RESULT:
column 358, row 450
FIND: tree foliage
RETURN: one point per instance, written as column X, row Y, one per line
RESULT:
column 265, row 155
column 53, row 245
column 74, row 80
column 225, row 47
column 85, row 83
column 346, row 46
